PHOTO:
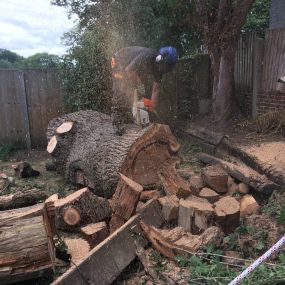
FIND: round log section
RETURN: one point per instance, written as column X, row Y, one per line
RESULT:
column 91, row 154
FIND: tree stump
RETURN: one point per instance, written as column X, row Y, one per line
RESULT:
column 209, row 194
column 92, row 149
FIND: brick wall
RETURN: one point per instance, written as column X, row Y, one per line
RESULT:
column 270, row 102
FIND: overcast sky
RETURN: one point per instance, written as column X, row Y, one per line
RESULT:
column 31, row 26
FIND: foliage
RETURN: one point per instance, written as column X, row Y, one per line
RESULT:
column 9, row 59
column 258, row 18
column 42, row 60
column 281, row 216
column 209, row 270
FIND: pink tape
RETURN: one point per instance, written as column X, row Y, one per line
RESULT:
column 256, row 263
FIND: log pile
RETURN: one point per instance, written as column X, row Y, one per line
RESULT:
column 131, row 184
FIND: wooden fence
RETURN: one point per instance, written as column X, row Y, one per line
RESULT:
column 28, row 100
column 259, row 63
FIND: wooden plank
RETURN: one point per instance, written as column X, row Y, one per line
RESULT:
column 108, row 259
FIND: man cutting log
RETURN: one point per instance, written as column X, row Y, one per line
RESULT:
column 136, row 73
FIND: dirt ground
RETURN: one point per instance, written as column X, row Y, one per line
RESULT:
column 48, row 181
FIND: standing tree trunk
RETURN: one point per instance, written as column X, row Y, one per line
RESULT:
column 223, row 85
column 220, row 22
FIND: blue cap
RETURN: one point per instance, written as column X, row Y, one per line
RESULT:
column 169, row 55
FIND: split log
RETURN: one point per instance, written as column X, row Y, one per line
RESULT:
column 170, row 207
column 150, row 194
column 22, row 199
column 172, row 182
column 79, row 208
column 94, row 150
column 216, row 178
column 26, row 244
column 78, row 248
column 244, row 174
column 192, row 243
column 126, row 197
column 248, row 206
column 196, row 183
column 243, row 188
column 227, row 211
column 195, row 214
column 170, row 243
column 95, row 233
column 125, row 201
column 209, row 194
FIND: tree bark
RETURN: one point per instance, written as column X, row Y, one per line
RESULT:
column 21, row 199
column 92, row 154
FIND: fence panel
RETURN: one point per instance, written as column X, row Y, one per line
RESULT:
column 274, row 61
column 44, row 101
column 14, row 123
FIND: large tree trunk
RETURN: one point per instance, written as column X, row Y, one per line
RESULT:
column 91, row 154
column 223, row 85
column 26, row 244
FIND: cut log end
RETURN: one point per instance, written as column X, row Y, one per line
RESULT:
column 52, row 144
column 65, row 127
column 72, row 216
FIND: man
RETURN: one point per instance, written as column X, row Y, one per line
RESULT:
column 138, row 71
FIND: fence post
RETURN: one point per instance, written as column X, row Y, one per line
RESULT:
column 258, row 49
column 24, row 109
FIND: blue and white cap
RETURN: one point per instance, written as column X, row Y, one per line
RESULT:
column 167, row 55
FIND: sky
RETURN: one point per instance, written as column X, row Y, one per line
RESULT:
column 32, row 26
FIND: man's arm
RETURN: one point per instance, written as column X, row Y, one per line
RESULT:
column 155, row 94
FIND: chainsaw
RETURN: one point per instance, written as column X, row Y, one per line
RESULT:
column 139, row 111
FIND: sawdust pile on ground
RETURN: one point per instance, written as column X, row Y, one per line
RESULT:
column 270, row 153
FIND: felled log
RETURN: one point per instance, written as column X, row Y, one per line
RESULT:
column 26, row 244
column 79, row 208
column 244, row 174
column 227, row 211
column 93, row 150
column 125, row 200
column 21, row 199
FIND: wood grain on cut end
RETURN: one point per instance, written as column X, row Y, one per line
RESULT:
column 72, row 216
column 65, row 127
column 52, row 144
